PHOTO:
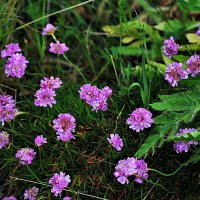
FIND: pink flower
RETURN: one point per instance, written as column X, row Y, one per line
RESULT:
column 31, row 194
column 40, row 140
column 58, row 48
column 49, row 29
column 67, row 198
column 45, row 97
column 140, row 119
column 16, row 65
column 10, row 50
column 181, row 146
column 25, row 155
column 131, row 167
column 170, row 47
column 7, row 108
column 174, row 73
column 198, row 31
column 10, row 198
column 95, row 97
column 193, row 65
column 59, row 182
column 50, row 83
column 115, row 141
column 4, row 139
column 64, row 125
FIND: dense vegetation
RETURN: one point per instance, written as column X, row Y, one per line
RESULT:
column 118, row 44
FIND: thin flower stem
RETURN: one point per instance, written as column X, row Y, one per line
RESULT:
column 115, row 70
column 72, row 64
column 159, row 172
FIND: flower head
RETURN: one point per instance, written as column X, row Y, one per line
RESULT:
column 25, row 155
column 193, row 65
column 16, row 65
column 140, row 119
column 174, row 73
column 170, row 47
column 10, row 50
column 129, row 167
column 10, row 198
column 184, row 146
column 115, row 141
column 40, row 140
column 31, row 193
column 67, row 198
column 95, row 97
column 49, row 29
column 45, row 97
column 50, row 83
column 58, row 48
column 7, row 108
column 64, row 125
column 4, row 139
column 59, row 182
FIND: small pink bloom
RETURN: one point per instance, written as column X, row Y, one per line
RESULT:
column 40, row 140
column 58, row 48
column 115, row 141
column 49, row 29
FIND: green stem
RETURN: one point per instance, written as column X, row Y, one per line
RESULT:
column 166, row 174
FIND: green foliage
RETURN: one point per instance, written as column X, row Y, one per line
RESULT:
column 178, row 109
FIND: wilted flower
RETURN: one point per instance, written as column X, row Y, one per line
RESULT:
column 64, row 125
column 50, row 83
column 170, row 47
column 140, row 119
column 10, row 50
column 25, row 155
column 58, row 48
column 31, row 194
column 45, row 97
column 129, row 167
column 181, row 146
column 7, row 108
column 16, row 65
column 174, row 73
column 59, row 182
column 115, row 141
column 193, row 65
column 4, row 139
column 10, row 198
column 49, row 29
column 95, row 97
column 40, row 140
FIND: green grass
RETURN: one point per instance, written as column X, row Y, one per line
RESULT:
column 89, row 159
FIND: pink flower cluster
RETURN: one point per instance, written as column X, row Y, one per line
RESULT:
column 95, row 97
column 49, row 29
column 182, row 146
column 64, row 125
column 9, row 198
column 140, row 119
column 58, row 48
column 174, row 73
column 16, row 63
column 59, row 182
column 198, row 31
column 31, row 194
column 40, row 140
column 7, row 108
column 45, row 95
column 170, row 47
column 131, row 166
column 25, row 155
column 193, row 65
column 67, row 198
column 115, row 141
column 4, row 139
